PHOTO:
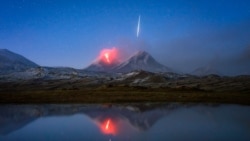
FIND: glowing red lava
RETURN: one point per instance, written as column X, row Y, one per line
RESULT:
column 108, row 127
column 109, row 56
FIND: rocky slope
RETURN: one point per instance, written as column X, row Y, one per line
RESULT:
column 141, row 61
column 12, row 62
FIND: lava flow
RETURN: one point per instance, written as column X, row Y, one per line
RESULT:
column 109, row 56
column 108, row 127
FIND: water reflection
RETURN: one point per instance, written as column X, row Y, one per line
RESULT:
column 170, row 121
column 108, row 127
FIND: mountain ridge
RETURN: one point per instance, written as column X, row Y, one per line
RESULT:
column 206, row 70
column 13, row 62
column 139, row 61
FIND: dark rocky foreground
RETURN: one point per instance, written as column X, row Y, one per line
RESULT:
column 138, row 86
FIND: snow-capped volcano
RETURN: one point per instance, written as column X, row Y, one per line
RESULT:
column 12, row 62
column 141, row 61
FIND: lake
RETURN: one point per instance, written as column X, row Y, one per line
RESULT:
column 125, row 122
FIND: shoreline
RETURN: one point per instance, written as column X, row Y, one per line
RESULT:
column 117, row 95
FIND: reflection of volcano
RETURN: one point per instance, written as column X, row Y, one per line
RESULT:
column 108, row 126
column 141, row 117
column 109, row 119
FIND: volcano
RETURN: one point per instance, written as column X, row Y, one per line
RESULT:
column 107, row 59
column 140, row 61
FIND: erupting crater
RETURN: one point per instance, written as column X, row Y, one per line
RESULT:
column 109, row 56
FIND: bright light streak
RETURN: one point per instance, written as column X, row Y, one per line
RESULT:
column 138, row 27
column 107, row 125
column 107, row 57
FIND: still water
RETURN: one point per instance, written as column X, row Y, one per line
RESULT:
column 126, row 122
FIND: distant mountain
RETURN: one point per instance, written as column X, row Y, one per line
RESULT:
column 141, row 61
column 12, row 62
column 15, row 67
column 202, row 71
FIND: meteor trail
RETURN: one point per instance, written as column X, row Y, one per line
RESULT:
column 138, row 27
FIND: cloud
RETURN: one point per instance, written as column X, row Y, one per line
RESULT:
column 221, row 47
column 245, row 57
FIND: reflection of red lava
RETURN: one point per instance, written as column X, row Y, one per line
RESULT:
column 108, row 127
column 109, row 56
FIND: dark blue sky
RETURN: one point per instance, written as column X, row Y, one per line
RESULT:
column 182, row 34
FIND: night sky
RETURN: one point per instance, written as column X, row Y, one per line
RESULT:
column 182, row 35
